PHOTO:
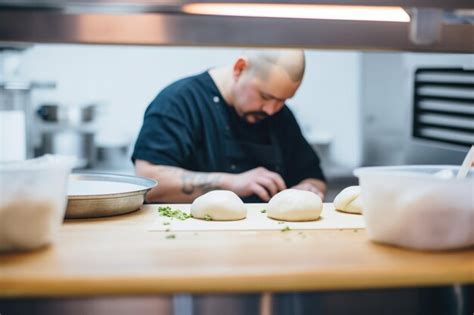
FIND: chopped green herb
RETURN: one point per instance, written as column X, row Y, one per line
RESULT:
column 173, row 213
column 207, row 217
column 167, row 230
column 286, row 229
column 281, row 222
column 166, row 223
column 263, row 211
column 170, row 237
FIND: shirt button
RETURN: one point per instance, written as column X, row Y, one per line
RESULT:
column 233, row 167
column 227, row 127
column 216, row 99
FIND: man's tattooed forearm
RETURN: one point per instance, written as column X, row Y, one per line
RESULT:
column 192, row 182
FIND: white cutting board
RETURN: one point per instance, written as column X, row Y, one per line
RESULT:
column 256, row 220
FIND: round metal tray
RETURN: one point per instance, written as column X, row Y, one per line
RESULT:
column 97, row 203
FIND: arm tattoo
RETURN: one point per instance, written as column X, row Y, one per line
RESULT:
column 192, row 182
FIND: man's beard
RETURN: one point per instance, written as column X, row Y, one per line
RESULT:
column 257, row 116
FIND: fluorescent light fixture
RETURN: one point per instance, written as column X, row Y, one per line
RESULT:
column 301, row 11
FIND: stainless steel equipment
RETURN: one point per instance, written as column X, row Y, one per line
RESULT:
column 113, row 157
column 442, row 115
column 68, row 130
column 16, row 118
column 14, row 122
column 100, row 195
column 77, row 115
column 411, row 116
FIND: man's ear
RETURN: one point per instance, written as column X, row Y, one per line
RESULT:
column 240, row 65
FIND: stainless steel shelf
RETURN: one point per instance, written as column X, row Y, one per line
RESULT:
column 162, row 22
column 50, row 26
column 153, row 5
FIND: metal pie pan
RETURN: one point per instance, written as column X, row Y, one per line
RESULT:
column 105, row 194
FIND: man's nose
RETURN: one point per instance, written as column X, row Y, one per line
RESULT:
column 272, row 107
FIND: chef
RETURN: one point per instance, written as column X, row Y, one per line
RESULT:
column 229, row 128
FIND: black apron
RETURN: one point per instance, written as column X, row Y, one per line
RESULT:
column 240, row 156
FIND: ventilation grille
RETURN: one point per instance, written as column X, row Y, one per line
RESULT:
column 444, row 105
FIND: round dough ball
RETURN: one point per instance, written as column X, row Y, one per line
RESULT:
column 349, row 200
column 219, row 205
column 295, row 205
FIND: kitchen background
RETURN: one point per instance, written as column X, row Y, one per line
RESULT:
column 353, row 107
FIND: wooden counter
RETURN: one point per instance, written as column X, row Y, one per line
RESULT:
column 119, row 256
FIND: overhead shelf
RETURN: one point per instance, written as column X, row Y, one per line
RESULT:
column 142, row 22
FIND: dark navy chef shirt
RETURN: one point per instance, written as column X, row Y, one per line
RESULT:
column 189, row 125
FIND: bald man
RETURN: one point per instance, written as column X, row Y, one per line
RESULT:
column 229, row 128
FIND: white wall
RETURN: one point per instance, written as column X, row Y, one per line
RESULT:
column 328, row 103
column 126, row 79
column 384, row 107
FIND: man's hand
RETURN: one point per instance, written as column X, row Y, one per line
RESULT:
column 316, row 186
column 258, row 181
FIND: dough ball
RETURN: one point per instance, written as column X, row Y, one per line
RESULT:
column 219, row 205
column 349, row 200
column 295, row 205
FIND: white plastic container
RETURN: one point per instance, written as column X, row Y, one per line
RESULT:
column 419, row 207
column 33, row 197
